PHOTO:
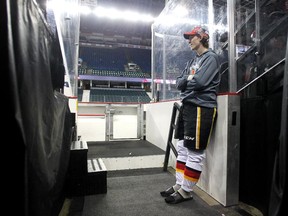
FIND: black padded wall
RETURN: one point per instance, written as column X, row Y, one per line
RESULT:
column 263, row 146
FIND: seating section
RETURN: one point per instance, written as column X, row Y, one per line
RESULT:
column 97, row 72
column 114, row 59
column 105, row 59
column 119, row 95
column 114, row 63
column 142, row 58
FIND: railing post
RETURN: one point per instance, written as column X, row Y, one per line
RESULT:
column 170, row 136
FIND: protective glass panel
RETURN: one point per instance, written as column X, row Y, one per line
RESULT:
column 65, row 14
column 170, row 51
column 261, row 37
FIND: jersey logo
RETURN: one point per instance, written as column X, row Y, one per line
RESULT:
column 189, row 138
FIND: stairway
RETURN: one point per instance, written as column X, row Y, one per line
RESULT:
column 85, row 176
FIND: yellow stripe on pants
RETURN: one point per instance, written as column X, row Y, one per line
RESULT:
column 198, row 127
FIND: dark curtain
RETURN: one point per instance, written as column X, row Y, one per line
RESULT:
column 39, row 115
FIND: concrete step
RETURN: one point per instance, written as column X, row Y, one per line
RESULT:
column 133, row 162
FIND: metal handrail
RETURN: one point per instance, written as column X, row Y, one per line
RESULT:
column 258, row 77
column 176, row 107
